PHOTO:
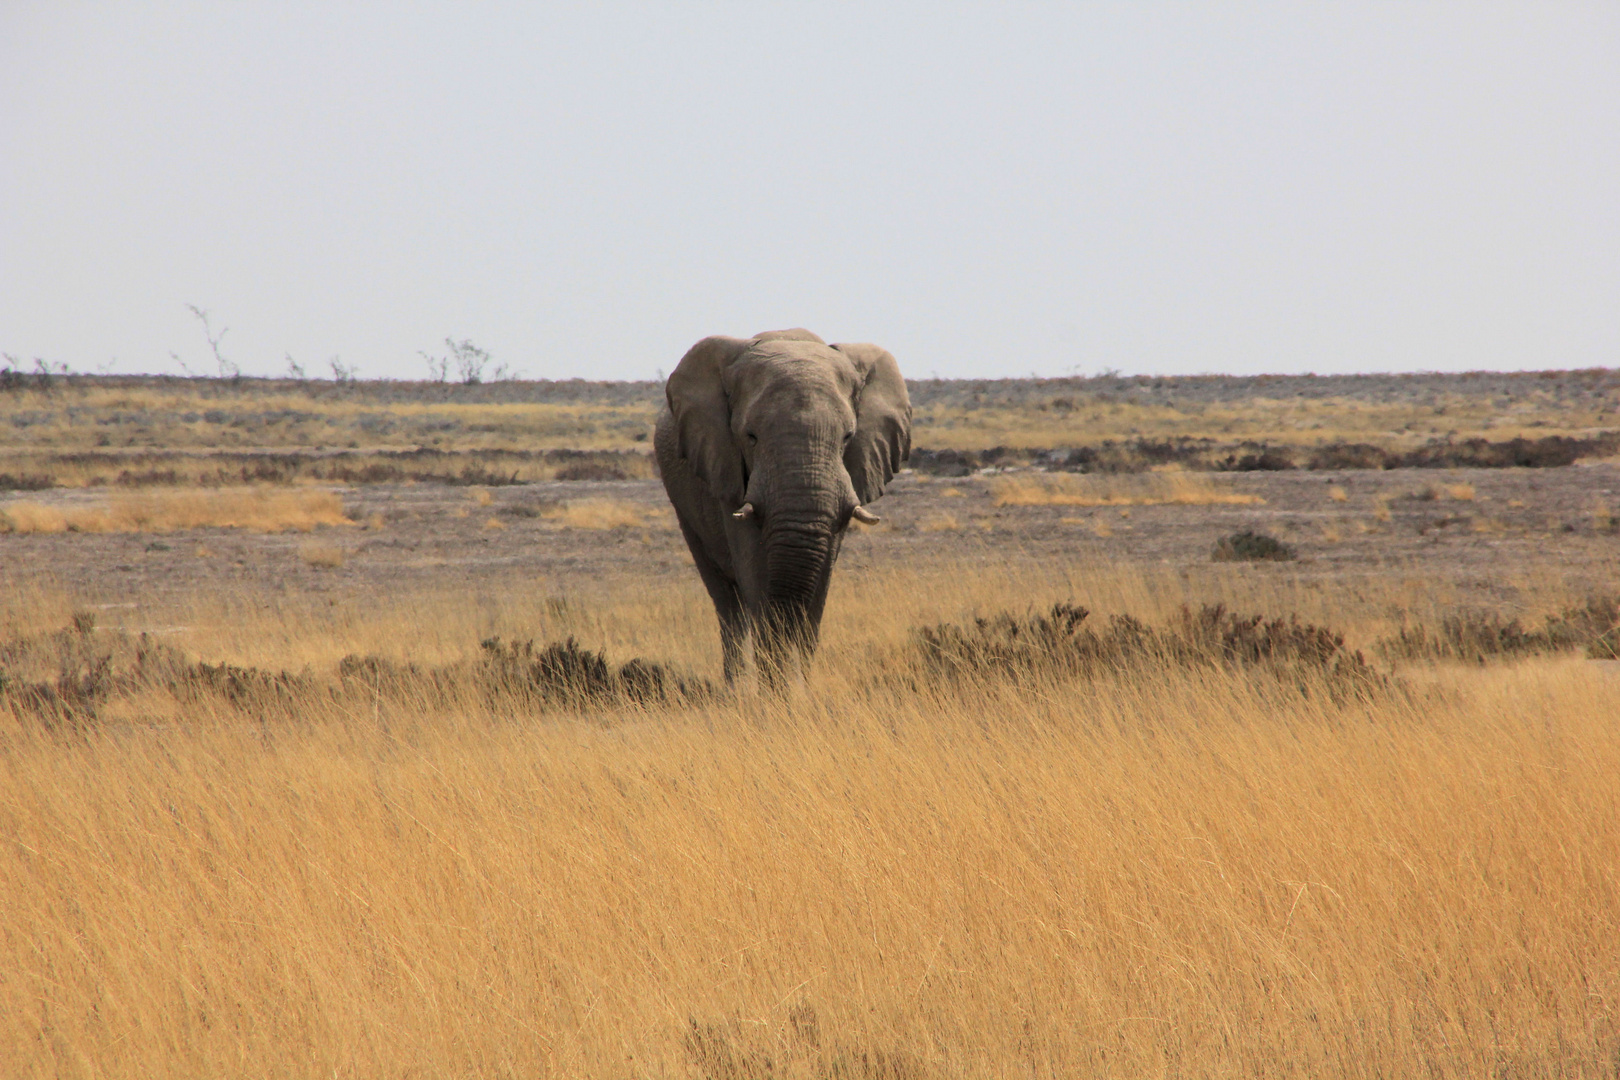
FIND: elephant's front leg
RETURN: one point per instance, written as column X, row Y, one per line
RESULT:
column 728, row 605
column 733, row 636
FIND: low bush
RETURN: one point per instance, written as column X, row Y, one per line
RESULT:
column 1060, row 642
column 26, row 481
column 1478, row 636
column 1265, row 459
column 66, row 678
column 1203, row 454
column 564, row 673
column 1251, row 546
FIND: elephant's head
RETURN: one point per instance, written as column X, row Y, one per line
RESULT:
column 792, row 436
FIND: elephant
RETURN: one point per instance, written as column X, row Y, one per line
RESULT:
column 768, row 446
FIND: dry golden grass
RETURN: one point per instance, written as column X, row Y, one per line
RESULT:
column 217, row 416
column 1160, row 873
column 154, row 511
column 939, row 523
column 323, row 556
column 600, row 514
column 1139, row 489
column 1338, row 494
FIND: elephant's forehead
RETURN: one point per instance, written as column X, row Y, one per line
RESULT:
column 786, row 366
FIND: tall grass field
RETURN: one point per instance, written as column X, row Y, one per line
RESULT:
column 1141, row 867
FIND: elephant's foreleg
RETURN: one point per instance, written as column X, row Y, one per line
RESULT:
column 733, row 636
column 728, row 608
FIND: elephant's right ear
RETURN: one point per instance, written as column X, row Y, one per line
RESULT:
column 697, row 399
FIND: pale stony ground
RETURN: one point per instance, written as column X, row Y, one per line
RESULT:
column 1519, row 525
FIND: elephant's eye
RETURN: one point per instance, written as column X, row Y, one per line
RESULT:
column 752, row 438
column 848, row 435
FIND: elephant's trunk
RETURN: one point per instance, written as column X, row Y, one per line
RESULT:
column 798, row 565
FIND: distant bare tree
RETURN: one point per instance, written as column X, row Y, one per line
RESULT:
column 227, row 369
column 469, row 361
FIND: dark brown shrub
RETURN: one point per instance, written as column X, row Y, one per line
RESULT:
column 1251, row 546
column 564, row 673
column 1262, row 459
column 1479, row 636
column 26, row 482
column 1349, row 456
column 1059, row 642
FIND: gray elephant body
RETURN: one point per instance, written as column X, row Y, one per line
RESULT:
column 767, row 446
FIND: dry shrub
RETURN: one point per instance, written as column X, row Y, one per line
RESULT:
column 1478, row 636
column 564, row 674
column 1338, row 494
column 1251, row 546
column 72, row 675
column 1141, row 489
column 26, row 482
column 1059, row 643
column 1460, row 492
column 256, row 509
column 67, row 678
column 1551, row 451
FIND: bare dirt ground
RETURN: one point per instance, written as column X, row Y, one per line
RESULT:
column 1485, row 536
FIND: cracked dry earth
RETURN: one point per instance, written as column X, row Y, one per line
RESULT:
column 1516, row 524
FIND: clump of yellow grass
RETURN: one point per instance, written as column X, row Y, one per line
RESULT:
column 1132, row 489
column 598, row 514
column 323, row 556
column 255, row 508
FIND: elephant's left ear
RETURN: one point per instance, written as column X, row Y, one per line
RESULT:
column 882, row 441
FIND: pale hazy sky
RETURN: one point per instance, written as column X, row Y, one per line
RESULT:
column 985, row 189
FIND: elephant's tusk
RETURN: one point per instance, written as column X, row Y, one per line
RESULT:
column 865, row 516
column 745, row 512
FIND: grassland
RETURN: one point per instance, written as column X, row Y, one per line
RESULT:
column 262, row 509
column 1149, row 489
column 407, row 758
column 130, row 430
column 1149, row 869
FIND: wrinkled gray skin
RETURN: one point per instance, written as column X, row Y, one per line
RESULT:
column 796, row 434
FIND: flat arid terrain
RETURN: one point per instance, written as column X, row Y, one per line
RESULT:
column 1162, row 727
